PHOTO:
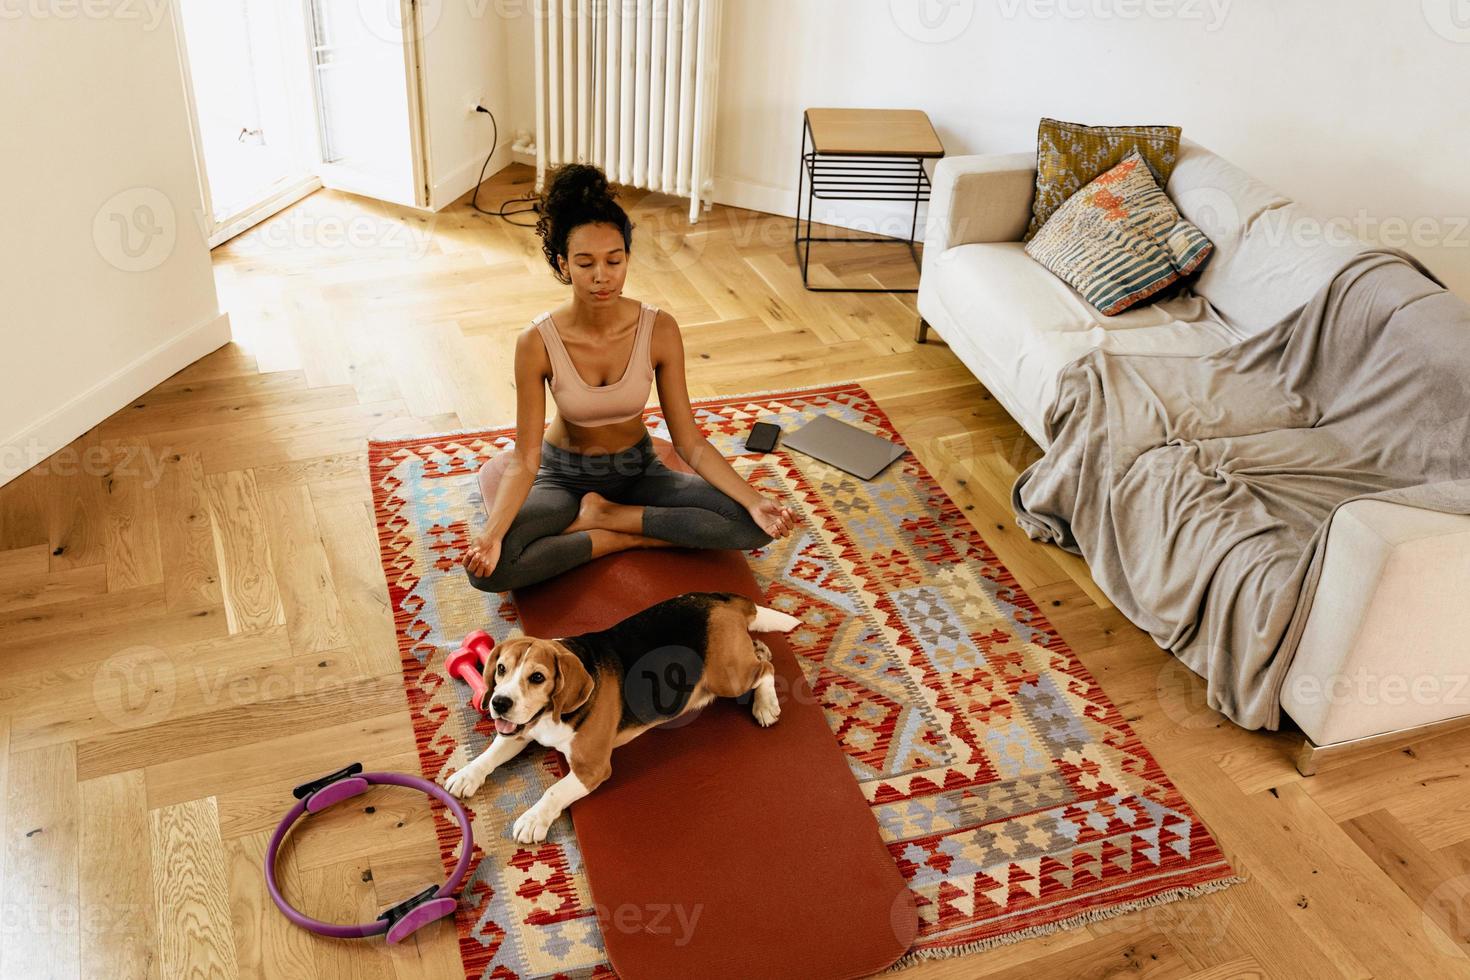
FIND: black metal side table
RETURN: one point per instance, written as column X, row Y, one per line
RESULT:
column 867, row 155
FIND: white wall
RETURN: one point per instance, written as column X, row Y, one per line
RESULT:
column 1358, row 108
column 520, row 63
column 107, row 286
column 464, row 59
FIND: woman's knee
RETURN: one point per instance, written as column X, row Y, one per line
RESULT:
column 506, row 575
column 749, row 534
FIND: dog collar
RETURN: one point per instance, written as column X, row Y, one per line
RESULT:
column 398, row 921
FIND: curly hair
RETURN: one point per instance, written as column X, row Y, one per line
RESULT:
column 577, row 194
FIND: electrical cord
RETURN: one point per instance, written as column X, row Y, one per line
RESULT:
column 501, row 212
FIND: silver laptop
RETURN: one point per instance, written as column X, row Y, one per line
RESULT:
column 846, row 447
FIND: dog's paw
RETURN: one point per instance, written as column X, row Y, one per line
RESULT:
column 531, row 826
column 765, row 709
column 464, row 782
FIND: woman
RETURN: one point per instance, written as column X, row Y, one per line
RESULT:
column 594, row 484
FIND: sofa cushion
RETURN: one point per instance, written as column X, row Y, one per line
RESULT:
column 1119, row 240
column 1015, row 325
column 1069, row 155
column 1271, row 255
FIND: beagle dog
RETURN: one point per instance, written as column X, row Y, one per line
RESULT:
column 585, row 695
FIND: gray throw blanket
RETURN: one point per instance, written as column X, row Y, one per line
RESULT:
column 1200, row 489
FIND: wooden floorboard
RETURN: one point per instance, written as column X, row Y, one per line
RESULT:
column 193, row 619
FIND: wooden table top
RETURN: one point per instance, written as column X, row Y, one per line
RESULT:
column 874, row 132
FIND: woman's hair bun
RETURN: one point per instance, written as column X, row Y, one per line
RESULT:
column 577, row 183
column 577, row 194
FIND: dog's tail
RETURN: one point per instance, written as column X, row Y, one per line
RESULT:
column 769, row 620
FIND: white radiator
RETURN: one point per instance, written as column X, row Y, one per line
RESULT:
column 628, row 85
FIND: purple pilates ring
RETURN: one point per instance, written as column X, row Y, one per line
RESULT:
column 398, row 921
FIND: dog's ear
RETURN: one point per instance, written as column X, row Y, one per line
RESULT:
column 573, row 683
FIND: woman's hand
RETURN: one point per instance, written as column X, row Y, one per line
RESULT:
column 775, row 518
column 483, row 554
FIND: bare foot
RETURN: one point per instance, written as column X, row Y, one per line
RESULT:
column 605, row 542
column 597, row 511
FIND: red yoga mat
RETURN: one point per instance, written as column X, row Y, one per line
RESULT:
column 719, row 848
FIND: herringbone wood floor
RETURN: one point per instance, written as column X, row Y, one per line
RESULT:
column 193, row 619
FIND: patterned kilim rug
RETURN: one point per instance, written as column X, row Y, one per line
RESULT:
column 1012, row 794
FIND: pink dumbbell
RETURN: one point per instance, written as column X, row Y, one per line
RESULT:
column 468, row 664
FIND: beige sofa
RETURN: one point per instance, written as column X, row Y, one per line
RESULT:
column 1385, row 652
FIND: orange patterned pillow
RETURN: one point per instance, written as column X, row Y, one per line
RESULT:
column 1120, row 239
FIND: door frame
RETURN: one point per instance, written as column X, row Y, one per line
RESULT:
column 216, row 231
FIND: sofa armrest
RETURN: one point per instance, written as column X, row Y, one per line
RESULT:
column 981, row 198
column 1383, row 647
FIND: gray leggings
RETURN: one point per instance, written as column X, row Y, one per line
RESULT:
column 680, row 508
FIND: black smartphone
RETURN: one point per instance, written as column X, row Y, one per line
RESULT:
column 762, row 438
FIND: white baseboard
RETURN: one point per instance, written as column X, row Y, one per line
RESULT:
column 873, row 217
column 461, row 179
column 41, row 439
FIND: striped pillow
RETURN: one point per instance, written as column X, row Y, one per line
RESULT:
column 1119, row 240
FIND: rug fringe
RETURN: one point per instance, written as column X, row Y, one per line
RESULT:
column 482, row 429
column 915, row 957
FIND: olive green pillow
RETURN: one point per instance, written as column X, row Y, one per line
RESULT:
column 1070, row 155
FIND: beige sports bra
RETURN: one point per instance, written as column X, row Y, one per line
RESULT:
column 591, row 405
